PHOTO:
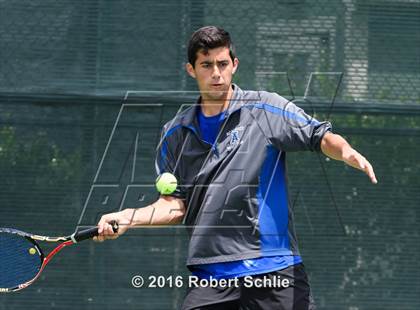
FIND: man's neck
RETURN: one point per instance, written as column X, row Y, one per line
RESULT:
column 213, row 107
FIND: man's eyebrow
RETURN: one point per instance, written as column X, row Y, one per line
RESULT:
column 206, row 62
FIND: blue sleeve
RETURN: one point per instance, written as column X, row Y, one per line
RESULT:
column 166, row 160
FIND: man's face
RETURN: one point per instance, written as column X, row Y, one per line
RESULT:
column 213, row 71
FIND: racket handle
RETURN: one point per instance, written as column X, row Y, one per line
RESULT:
column 91, row 232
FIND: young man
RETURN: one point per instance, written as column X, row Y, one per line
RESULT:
column 228, row 154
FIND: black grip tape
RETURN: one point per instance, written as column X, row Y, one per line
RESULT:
column 92, row 232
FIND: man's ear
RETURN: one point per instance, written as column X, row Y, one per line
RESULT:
column 235, row 65
column 190, row 70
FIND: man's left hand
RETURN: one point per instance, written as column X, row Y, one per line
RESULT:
column 353, row 158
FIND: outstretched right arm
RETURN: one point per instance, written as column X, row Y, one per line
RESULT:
column 165, row 211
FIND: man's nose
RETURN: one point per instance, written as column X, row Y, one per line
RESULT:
column 216, row 72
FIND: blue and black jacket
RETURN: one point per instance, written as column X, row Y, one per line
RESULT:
column 235, row 190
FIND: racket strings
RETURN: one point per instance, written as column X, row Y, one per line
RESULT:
column 20, row 260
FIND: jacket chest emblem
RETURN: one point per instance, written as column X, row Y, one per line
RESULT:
column 234, row 137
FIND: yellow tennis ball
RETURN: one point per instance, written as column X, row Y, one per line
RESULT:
column 166, row 183
column 32, row 251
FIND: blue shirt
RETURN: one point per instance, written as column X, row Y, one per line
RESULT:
column 209, row 125
column 209, row 128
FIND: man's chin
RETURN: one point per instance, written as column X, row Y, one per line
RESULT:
column 217, row 94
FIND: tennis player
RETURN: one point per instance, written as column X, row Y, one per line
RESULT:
column 228, row 153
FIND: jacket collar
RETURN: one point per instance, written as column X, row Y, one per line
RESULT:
column 236, row 102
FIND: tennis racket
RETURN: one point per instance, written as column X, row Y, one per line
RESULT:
column 22, row 259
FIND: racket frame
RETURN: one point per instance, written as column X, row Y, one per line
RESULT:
column 65, row 241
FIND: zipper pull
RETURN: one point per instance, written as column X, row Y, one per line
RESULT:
column 214, row 149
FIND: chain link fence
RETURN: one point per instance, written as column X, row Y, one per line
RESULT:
column 107, row 47
column 65, row 67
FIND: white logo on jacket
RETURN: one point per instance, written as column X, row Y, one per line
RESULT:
column 235, row 138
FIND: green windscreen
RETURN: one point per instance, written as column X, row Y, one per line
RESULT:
column 85, row 87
